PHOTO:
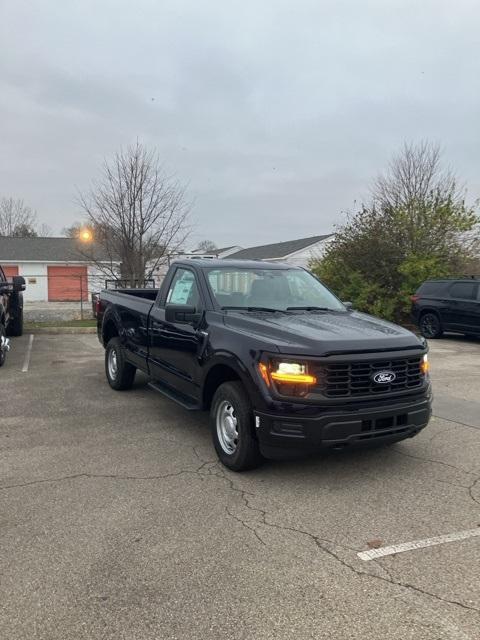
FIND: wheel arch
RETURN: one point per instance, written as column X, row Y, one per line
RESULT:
column 425, row 310
column 225, row 369
column 110, row 328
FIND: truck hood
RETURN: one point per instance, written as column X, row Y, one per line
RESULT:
column 323, row 333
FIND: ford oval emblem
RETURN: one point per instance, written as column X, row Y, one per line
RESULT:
column 384, row 377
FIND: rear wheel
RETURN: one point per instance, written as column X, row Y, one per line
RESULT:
column 231, row 421
column 430, row 325
column 120, row 373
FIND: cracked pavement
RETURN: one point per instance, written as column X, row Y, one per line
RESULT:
column 117, row 521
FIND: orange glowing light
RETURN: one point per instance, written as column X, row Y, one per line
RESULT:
column 264, row 373
column 85, row 235
column 293, row 378
column 425, row 365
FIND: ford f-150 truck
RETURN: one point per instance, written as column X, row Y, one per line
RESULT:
column 11, row 311
column 282, row 364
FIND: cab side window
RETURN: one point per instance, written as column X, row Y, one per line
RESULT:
column 184, row 289
column 464, row 290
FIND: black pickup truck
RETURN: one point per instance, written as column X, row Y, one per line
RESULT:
column 282, row 364
column 11, row 311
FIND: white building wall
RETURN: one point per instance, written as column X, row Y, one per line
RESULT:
column 35, row 274
column 36, row 278
column 303, row 257
column 96, row 280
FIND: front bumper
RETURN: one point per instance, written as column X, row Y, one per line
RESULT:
column 346, row 426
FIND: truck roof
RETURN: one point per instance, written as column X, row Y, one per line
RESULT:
column 240, row 264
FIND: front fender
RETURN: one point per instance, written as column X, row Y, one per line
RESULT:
column 247, row 374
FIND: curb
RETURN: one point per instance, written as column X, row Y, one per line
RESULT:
column 61, row 330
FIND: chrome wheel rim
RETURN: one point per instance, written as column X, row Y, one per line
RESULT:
column 227, row 427
column 112, row 364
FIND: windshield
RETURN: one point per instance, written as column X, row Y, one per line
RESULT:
column 270, row 289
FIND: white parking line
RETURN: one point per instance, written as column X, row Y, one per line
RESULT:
column 26, row 361
column 373, row 554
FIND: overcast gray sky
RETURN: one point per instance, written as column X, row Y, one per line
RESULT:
column 276, row 113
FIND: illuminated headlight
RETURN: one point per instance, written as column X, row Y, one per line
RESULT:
column 287, row 373
column 425, row 365
column 291, row 368
column 291, row 372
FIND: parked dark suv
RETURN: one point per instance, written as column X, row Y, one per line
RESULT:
column 447, row 305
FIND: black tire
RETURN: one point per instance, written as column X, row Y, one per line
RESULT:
column 430, row 325
column 120, row 373
column 239, row 450
column 3, row 354
column 15, row 328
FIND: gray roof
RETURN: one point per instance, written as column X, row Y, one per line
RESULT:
column 48, row 250
column 277, row 250
column 213, row 251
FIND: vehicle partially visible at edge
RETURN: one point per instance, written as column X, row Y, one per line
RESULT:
column 448, row 304
column 11, row 311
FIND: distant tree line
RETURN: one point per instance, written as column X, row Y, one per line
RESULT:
column 19, row 221
column 416, row 225
column 206, row 246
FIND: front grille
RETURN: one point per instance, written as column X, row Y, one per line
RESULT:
column 352, row 379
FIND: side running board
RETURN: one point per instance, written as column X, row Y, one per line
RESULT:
column 179, row 398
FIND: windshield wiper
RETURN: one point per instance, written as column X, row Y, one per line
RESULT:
column 310, row 309
column 251, row 308
column 270, row 309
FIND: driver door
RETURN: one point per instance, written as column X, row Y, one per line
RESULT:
column 173, row 346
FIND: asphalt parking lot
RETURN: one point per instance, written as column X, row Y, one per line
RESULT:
column 116, row 521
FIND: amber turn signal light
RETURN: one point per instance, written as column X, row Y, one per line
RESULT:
column 425, row 365
column 264, row 373
column 293, row 378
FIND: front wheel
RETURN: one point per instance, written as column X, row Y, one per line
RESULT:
column 231, row 422
column 3, row 345
column 120, row 373
column 430, row 325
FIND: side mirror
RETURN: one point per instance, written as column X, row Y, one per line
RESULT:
column 18, row 283
column 181, row 313
column 348, row 305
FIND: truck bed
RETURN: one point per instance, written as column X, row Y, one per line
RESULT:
column 148, row 294
column 139, row 301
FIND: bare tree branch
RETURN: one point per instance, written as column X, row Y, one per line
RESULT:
column 206, row 245
column 413, row 175
column 139, row 215
column 16, row 218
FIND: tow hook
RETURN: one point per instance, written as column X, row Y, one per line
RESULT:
column 4, row 344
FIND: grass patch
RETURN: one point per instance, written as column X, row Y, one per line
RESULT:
column 60, row 323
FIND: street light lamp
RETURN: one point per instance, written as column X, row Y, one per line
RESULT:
column 85, row 235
